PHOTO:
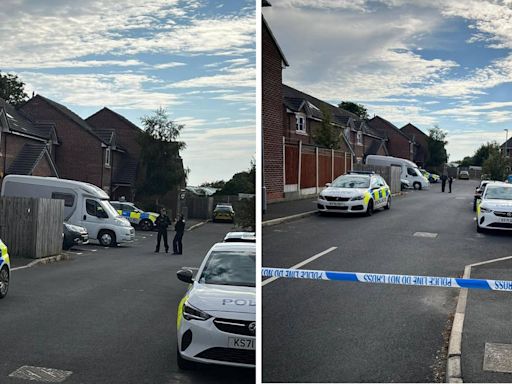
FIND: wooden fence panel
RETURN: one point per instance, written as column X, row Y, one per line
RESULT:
column 31, row 228
column 308, row 171
column 292, row 164
column 324, row 167
column 339, row 164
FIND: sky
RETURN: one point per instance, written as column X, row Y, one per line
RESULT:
column 195, row 58
column 428, row 62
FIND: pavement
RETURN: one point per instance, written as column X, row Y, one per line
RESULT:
column 289, row 208
column 381, row 333
column 487, row 322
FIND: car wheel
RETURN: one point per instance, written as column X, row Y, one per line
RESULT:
column 479, row 229
column 107, row 238
column 146, row 225
column 369, row 209
column 183, row 364
column 4, row 282
column 388, row 203
column 66, row 246
column 417, row 185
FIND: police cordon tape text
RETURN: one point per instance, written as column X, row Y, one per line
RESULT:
column 379, row 278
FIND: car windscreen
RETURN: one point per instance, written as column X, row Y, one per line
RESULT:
column 498, row 193
column 109, row 208
column 230, row 268
column 351, row 182
column 223, row 209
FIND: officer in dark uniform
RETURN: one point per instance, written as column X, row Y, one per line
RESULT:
column 179, row 227
column 444, row 177
column 161, row 224
column 450, row 181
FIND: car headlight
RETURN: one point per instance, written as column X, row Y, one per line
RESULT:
column 356, row 198
column 486, row 210
column 192, row 313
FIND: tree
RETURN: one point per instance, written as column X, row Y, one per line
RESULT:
column 12, row 89
column 436, row 143
column 466, row 161
column 241, row 182
column 496, row 166
column 484, row 152
column 326, row 136
column 359, row 109
column 160, row 154
column 219, row 184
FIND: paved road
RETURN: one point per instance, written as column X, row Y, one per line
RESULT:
column 317, row 331
column 107, row 315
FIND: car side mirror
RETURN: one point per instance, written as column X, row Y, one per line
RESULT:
column 327, row 184
column 185, row 275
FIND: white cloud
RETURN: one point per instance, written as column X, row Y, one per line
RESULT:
column 172, row 64
column 235, row 77
column 466, row 143
column 115, row 90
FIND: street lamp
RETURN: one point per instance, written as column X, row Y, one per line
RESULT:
column 506, row 142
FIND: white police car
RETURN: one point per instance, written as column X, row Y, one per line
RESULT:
column 216, row 320
column 5, row 270
column 494, row 211
column 355, row 192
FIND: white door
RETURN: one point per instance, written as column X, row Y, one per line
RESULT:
column 93, row 217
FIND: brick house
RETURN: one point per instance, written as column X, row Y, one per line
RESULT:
column 365, row 141
column 273, row 62
column 83, row 154
column 125, row 161
column 26, row 148
column 303, row 115
column 421, row 143
column 398, row 143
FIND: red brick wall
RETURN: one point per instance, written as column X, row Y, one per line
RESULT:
column 80, row 155
column 272, row 117
column 126, row 134
column 398, row 144
column 420, row 155
column 43, row 168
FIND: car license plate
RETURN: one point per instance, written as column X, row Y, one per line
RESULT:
column 240, row 343
column 338, row 204
column 505, row 220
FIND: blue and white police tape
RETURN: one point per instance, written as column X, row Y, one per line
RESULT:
column 379, row 278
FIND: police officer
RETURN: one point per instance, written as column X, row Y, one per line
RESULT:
column 177, row 245
column 444, row 177
column 450, row 181
column 161, row 224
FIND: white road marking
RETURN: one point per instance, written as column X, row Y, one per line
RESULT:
column 430, row 235
column 79, row 253
column 301, row 264
column 48, row 375
column 94, row 250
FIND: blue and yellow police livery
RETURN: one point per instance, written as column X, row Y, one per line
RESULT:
column 136, row 216
column 5, row 270
column 355, row 193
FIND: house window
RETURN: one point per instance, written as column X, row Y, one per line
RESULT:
column 359, row 160
column 411, row 148
column 107, row 157
column 359, row 138
column 300, row 122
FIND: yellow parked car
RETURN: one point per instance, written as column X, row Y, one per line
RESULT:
column 223, row 212
column 5, row 270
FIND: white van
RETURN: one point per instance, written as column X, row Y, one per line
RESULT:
column 410, row 171
column 85, row 205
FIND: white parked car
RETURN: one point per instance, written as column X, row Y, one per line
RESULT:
column 494, row 211
column 356, row 192
column 216, row 320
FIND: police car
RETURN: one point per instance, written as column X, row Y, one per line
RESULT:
column 5, row 270
column 494, row 211
column 216, row 320
column 136, row 216
column 355, row 192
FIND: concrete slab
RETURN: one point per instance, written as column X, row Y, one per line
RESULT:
column 430, row 235
column 498, row 357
